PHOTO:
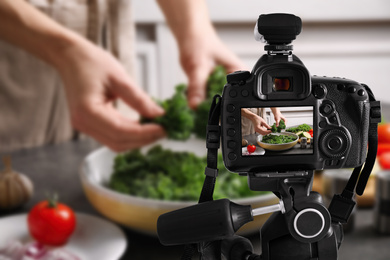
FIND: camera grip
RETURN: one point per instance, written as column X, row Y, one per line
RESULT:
column 208, row 221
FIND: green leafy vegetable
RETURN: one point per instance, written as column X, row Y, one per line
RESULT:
column 178, row 119
column 275, row 129
column 303, row 128
column 215, row 84
column 168, row 175
column 278, row 139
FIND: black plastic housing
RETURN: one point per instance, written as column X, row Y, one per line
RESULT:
column 348, row 118
column 212, row 220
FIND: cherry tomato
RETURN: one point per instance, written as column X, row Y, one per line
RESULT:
column 384, row 133
column 51, row 223
column 384, row 160
column 311, row 132
column 251, row 148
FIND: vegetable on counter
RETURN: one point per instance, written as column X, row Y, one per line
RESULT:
column 178, row 120
column 383, row 153
column 251, row 148
column 167, row 175
column 15, row 188
column 51, row 223
column 278, row 139
column 302, row 127
column 384, row 133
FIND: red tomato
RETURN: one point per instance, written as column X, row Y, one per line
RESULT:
column 382, row 148
column 251, row 148
column 51, row 223
column 384, row 133
column 384, row 160
column 311, row 132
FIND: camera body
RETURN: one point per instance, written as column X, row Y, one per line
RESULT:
column 340, row 116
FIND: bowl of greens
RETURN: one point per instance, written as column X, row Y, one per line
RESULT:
column 277, row 141
column 136, row 187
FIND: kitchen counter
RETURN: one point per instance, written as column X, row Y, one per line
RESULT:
column 54, row 168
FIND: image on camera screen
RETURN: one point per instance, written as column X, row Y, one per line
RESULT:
column 262, row 135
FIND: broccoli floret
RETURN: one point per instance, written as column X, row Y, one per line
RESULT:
column 178, row 120
column 275, row 129
column 215, row 84
column 281, row 126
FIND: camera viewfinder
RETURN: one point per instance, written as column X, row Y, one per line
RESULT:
column 281, row 84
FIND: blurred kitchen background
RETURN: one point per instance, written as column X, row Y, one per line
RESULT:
column 339, row 38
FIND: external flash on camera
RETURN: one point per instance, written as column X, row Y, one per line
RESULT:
column 281, row 84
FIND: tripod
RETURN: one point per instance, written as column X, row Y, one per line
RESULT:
column 304, row 231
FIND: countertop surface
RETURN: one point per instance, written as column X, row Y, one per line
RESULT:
column 56, row 168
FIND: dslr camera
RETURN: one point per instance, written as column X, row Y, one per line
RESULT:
column 317, row 123
column 338, row 110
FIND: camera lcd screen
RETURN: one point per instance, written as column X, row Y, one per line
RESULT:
column 263, row 136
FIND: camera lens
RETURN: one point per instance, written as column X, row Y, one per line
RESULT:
column 281, row 84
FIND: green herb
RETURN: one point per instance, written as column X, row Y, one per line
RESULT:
column 278, row 139
column 167, row 175
column 215, row 84
column 178, row 120
column 275, row 129
column 303, row 128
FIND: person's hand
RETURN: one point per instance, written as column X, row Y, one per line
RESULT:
column 278, row 116
column 199, row 54
column 260, row 125
column 93, row 79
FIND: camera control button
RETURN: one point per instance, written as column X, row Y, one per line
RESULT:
column 230, row 108
column 231, row 132
column 323, row 124
column 232, row 156
column 340, row 87
column 232, row 144
column 326, row 109
column 319, row 91
column 333, row 120
column 361, row 92
column 245, row 93
column 233, row 93
column 231, row 120
column 238, row 76
column 351, row 90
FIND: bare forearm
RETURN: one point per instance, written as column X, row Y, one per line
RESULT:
column 186, row 17
column 29, row 29
column 248, row 114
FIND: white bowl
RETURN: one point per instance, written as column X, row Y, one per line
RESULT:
column 141, row 213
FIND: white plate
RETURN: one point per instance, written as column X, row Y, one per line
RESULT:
column 94, row 238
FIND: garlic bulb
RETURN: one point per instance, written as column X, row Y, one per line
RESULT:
column 15, row 188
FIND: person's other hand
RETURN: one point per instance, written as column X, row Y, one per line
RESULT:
column 260, row 125
column 200, row 52
column 93, row 79
column 278, row 116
